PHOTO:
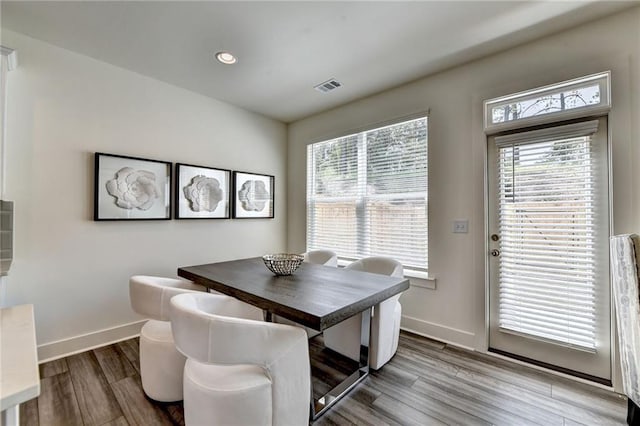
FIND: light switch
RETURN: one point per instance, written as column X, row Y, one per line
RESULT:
column 460, row 226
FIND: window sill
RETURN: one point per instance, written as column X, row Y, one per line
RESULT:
column 420, row 279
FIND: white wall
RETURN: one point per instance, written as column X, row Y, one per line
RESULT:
column 63, row 107
column 454, row 311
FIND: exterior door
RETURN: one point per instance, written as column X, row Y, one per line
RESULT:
column 548, row 247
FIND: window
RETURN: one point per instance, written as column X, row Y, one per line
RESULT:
column 569, row 99
column 8, row 61
column 367, row 194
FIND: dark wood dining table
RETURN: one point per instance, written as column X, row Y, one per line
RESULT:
column 315, row 296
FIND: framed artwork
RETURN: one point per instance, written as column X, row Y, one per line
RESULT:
column 253, row 195
column 130, row 188
column 202, row 192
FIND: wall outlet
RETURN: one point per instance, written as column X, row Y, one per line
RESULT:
column 460, row 226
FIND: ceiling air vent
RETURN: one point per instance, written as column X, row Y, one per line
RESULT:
column 328, row 86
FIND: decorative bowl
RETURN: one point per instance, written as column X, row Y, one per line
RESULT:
column 282, row 263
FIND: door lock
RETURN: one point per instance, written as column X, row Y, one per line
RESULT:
column 495, row 237
column 495, row 252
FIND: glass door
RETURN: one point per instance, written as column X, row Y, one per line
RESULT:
column 548, row 249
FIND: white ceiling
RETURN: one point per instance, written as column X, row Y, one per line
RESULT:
column 285, row 48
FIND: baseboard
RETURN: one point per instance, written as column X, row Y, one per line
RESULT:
column 85, row 342
column 445, row 334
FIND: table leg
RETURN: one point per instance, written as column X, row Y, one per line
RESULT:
column 268, row 316
column 320, row 406
column 10, row 416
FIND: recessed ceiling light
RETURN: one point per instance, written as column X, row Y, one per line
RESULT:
column 226, row 58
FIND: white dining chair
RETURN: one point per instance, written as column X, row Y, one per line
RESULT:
column 161, row 364
column 344, row 337
column 239, row 371
column 321, row 257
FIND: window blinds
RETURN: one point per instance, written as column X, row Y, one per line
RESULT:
column 367, row 194
column 548, row 226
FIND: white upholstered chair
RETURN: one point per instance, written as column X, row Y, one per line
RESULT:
column 321, row 257
column 385, row 323
column 161, row 364
column 239, row 371
column 624, row 266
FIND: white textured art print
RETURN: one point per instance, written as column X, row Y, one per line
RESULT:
column 203, row 193
column 133, row 189
column 253, row 196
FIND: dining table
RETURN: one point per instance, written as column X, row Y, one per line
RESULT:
column 315, row 296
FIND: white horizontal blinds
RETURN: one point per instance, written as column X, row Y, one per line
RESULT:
column 332, row 195
column 396, row 193
column 548, row 228
column 367, row 194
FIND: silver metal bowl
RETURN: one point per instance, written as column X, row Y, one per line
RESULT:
column 283, row 263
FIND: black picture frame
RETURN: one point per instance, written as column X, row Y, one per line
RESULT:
column 131, row 188
column 202, row 192
column 253, row 196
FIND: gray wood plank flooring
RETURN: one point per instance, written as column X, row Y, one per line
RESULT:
column 426, row 383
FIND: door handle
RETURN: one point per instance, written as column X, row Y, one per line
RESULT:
column 495, row 252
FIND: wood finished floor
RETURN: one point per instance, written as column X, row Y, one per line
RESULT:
column 426, row 383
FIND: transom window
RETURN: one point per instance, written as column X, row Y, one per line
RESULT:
column 367, row 194
column 569, row 99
